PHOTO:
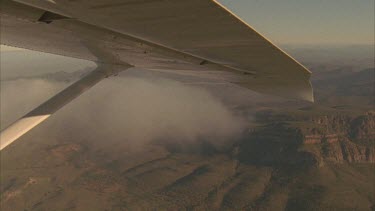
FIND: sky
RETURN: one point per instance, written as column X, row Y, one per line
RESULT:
column 333, row 22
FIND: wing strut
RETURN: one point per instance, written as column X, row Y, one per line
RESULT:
column 42, row 112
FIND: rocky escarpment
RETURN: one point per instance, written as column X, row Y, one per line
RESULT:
column 340, row 138
column 330, row 128
column 311, row 137
column 362, row 128
column 346, row 150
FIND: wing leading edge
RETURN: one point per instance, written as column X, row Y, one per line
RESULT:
column 179, row 35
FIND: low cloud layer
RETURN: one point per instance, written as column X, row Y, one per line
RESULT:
column 17, row 97
column 127, row 109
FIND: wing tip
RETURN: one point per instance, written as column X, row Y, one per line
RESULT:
column 308, row 94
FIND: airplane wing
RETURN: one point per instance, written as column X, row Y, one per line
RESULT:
column 194, row 37
column 199, row 35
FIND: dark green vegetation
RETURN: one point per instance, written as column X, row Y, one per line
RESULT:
column 294, row 156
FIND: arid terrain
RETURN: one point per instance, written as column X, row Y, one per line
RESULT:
column 288, row 155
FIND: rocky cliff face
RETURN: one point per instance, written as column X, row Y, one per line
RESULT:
column 362, row 128
column 346, row 151
column 335, row 137
column 344, row 138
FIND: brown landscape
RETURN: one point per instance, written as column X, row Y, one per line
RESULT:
column 256, row 153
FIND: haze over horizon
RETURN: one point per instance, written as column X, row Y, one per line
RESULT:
column 334, row 22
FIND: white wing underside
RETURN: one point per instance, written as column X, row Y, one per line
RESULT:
column 197, row 37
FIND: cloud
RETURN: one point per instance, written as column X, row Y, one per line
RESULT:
column 132, row 110
column 17, row 97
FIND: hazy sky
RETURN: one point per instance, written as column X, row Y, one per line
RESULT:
column 309, row 21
